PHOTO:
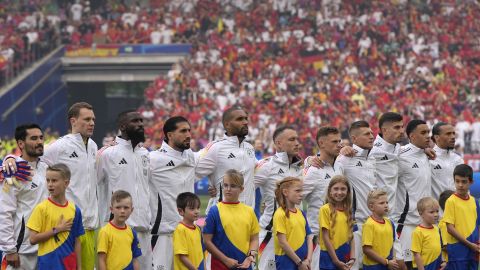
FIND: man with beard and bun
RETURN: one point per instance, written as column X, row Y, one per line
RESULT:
column 230, row 152
column 78, row 151
column 18, row 200
column 360, row 172
column 173, row 172
column 316, row 180
column 443, row 135
column 125, row 166
column 268, row 172
column 414, row 183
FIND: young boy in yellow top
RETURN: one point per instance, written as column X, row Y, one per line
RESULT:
column 378, row 234
column 426, row 238
column 118, row 246
column 442, row 200
column 56, row 225
column 461, row 217
column 187, row 237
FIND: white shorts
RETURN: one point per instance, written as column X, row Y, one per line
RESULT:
column 27, row 262
column 266, row 260
column 405, row 239
column 163, row 252
column 357, row 238
column 316, row 257
column 145, row 260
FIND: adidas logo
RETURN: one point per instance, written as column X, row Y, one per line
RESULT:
column 170, row 164
column 384, row 158
column 280, row 171
column 231, row 155
column 415, row 166
column 73, row 155
column 33, row 185
column 378, row 144
column 163, row 150
column 123, row 161
column 438, row 167
column 327, row 176
column 359, row 164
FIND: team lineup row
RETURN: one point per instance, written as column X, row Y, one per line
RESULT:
column 155, row 179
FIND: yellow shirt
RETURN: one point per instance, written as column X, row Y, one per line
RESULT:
column 380, row 236
column 187, row 241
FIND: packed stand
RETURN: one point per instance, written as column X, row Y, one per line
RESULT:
column 28, row 31
column 326, row 61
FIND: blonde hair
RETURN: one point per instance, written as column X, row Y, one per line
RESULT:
column 425, row 203
column 286, row 183
column 235, row 177
column 374, row 195
column 346, row 204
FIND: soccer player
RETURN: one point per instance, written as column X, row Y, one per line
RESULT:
column 18, row 200
column 125, row 166
column 414, row 183
column 230, row 152
column 316, row 181
column 118, row 246
column 443, row 135
column 56, row 224
column 386, row 148
column 360, row 172
column 461, row 217
column 78, row 151
column 269, row 171
column 173, row 172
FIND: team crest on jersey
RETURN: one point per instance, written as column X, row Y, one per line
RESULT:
column 250, row 153
column 145, row 160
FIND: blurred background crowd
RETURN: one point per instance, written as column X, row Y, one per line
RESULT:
column 304, row 63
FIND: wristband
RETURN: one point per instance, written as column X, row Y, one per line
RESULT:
column 299, row 262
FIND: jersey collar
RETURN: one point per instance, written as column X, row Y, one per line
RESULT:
column 127, row 143
column 382, row 144
column 441, row 151
column 233, row 139
column 360, row 152
column 168, row 149
column 283, row 158
column 415, row 149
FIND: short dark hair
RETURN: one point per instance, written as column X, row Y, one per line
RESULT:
column 444, row 197
column 412, row 125
column 325, row 131
column 463, row 170
column 187, row 199
column 74, row 110
column 62, row 169
column 122, row 117
column 119, row 195
column 171, row 125
column 389, row 117
column 280, row 130
column 436, row 129
column 21, row 131
column 227, row 114
column 357, row 125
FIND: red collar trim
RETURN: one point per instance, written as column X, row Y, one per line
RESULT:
column 230, row 202
column 428, row 228
column 468, row 197
column 293, row 211
column 188, row 226
column 379, row 222
column 57, row 204
column 116, row 227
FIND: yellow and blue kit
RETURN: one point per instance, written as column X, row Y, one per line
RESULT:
column 57, row 252
column 296, row 229
column 341, row 239
column 428, row 243
column 232, row 225
column 187, row 240
column 380, row 236
column 463, row 214
column 120, row 245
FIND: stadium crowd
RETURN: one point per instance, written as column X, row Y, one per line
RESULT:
column 313, row 62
